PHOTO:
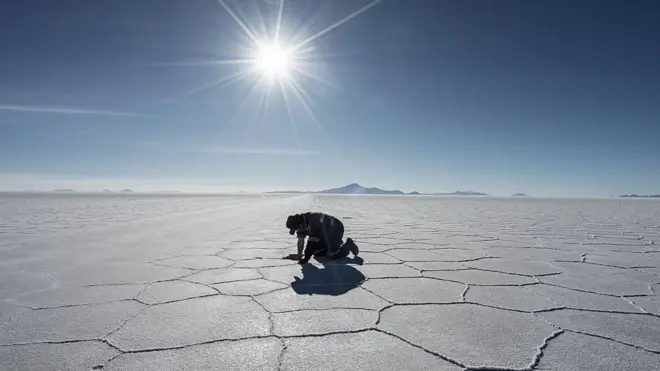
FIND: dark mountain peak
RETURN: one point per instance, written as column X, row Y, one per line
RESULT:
column 634, row 195
column 356, row 189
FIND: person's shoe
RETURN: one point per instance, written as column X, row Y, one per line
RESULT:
column 352, row 247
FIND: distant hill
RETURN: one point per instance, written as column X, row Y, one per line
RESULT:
column 462, row 193
column 640, row 196
column 519, row 195
column 356, row 189
column 127, row 190
column 64, row 190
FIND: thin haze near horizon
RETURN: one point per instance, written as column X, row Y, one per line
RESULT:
column 549, row 98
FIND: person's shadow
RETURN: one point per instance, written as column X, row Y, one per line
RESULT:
column 336, row 277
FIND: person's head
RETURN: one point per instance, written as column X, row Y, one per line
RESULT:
column 294, row 222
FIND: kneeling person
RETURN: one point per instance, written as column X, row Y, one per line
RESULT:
column 325, row 236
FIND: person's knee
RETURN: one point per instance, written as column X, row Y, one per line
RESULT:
column 314, row 248
column 336, row 249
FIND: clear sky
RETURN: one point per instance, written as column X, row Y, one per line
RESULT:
column 549, row 98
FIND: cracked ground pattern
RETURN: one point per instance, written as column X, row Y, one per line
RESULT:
column 198, row 283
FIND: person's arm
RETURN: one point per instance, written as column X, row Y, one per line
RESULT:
column 301, row 234
column 301, row 245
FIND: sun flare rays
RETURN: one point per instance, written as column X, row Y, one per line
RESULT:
column 278, row 64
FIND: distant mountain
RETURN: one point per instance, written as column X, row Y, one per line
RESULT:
column 63, row 190
column 519, row 195
column 462, row 193
column 127, row 190
column 356, row 189
column 640, row 196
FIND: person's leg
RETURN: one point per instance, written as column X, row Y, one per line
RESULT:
column 313, row 248
column 342, row 252
column 351, row 246
column 337, row 249
column 319, row 250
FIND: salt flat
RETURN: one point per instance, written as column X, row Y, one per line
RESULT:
column 135, row 282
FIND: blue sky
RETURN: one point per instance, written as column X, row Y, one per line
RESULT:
column 550, row 98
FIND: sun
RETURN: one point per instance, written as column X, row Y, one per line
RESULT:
column 273, row 60
column 282, row 62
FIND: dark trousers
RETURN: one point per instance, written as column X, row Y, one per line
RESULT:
column 330, row 243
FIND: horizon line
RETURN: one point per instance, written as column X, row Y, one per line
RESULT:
column 183, row 192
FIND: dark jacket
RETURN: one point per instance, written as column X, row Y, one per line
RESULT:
column 316, row 224
column 325, row 232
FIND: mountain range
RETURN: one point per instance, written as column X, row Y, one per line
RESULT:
column 356, row 189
